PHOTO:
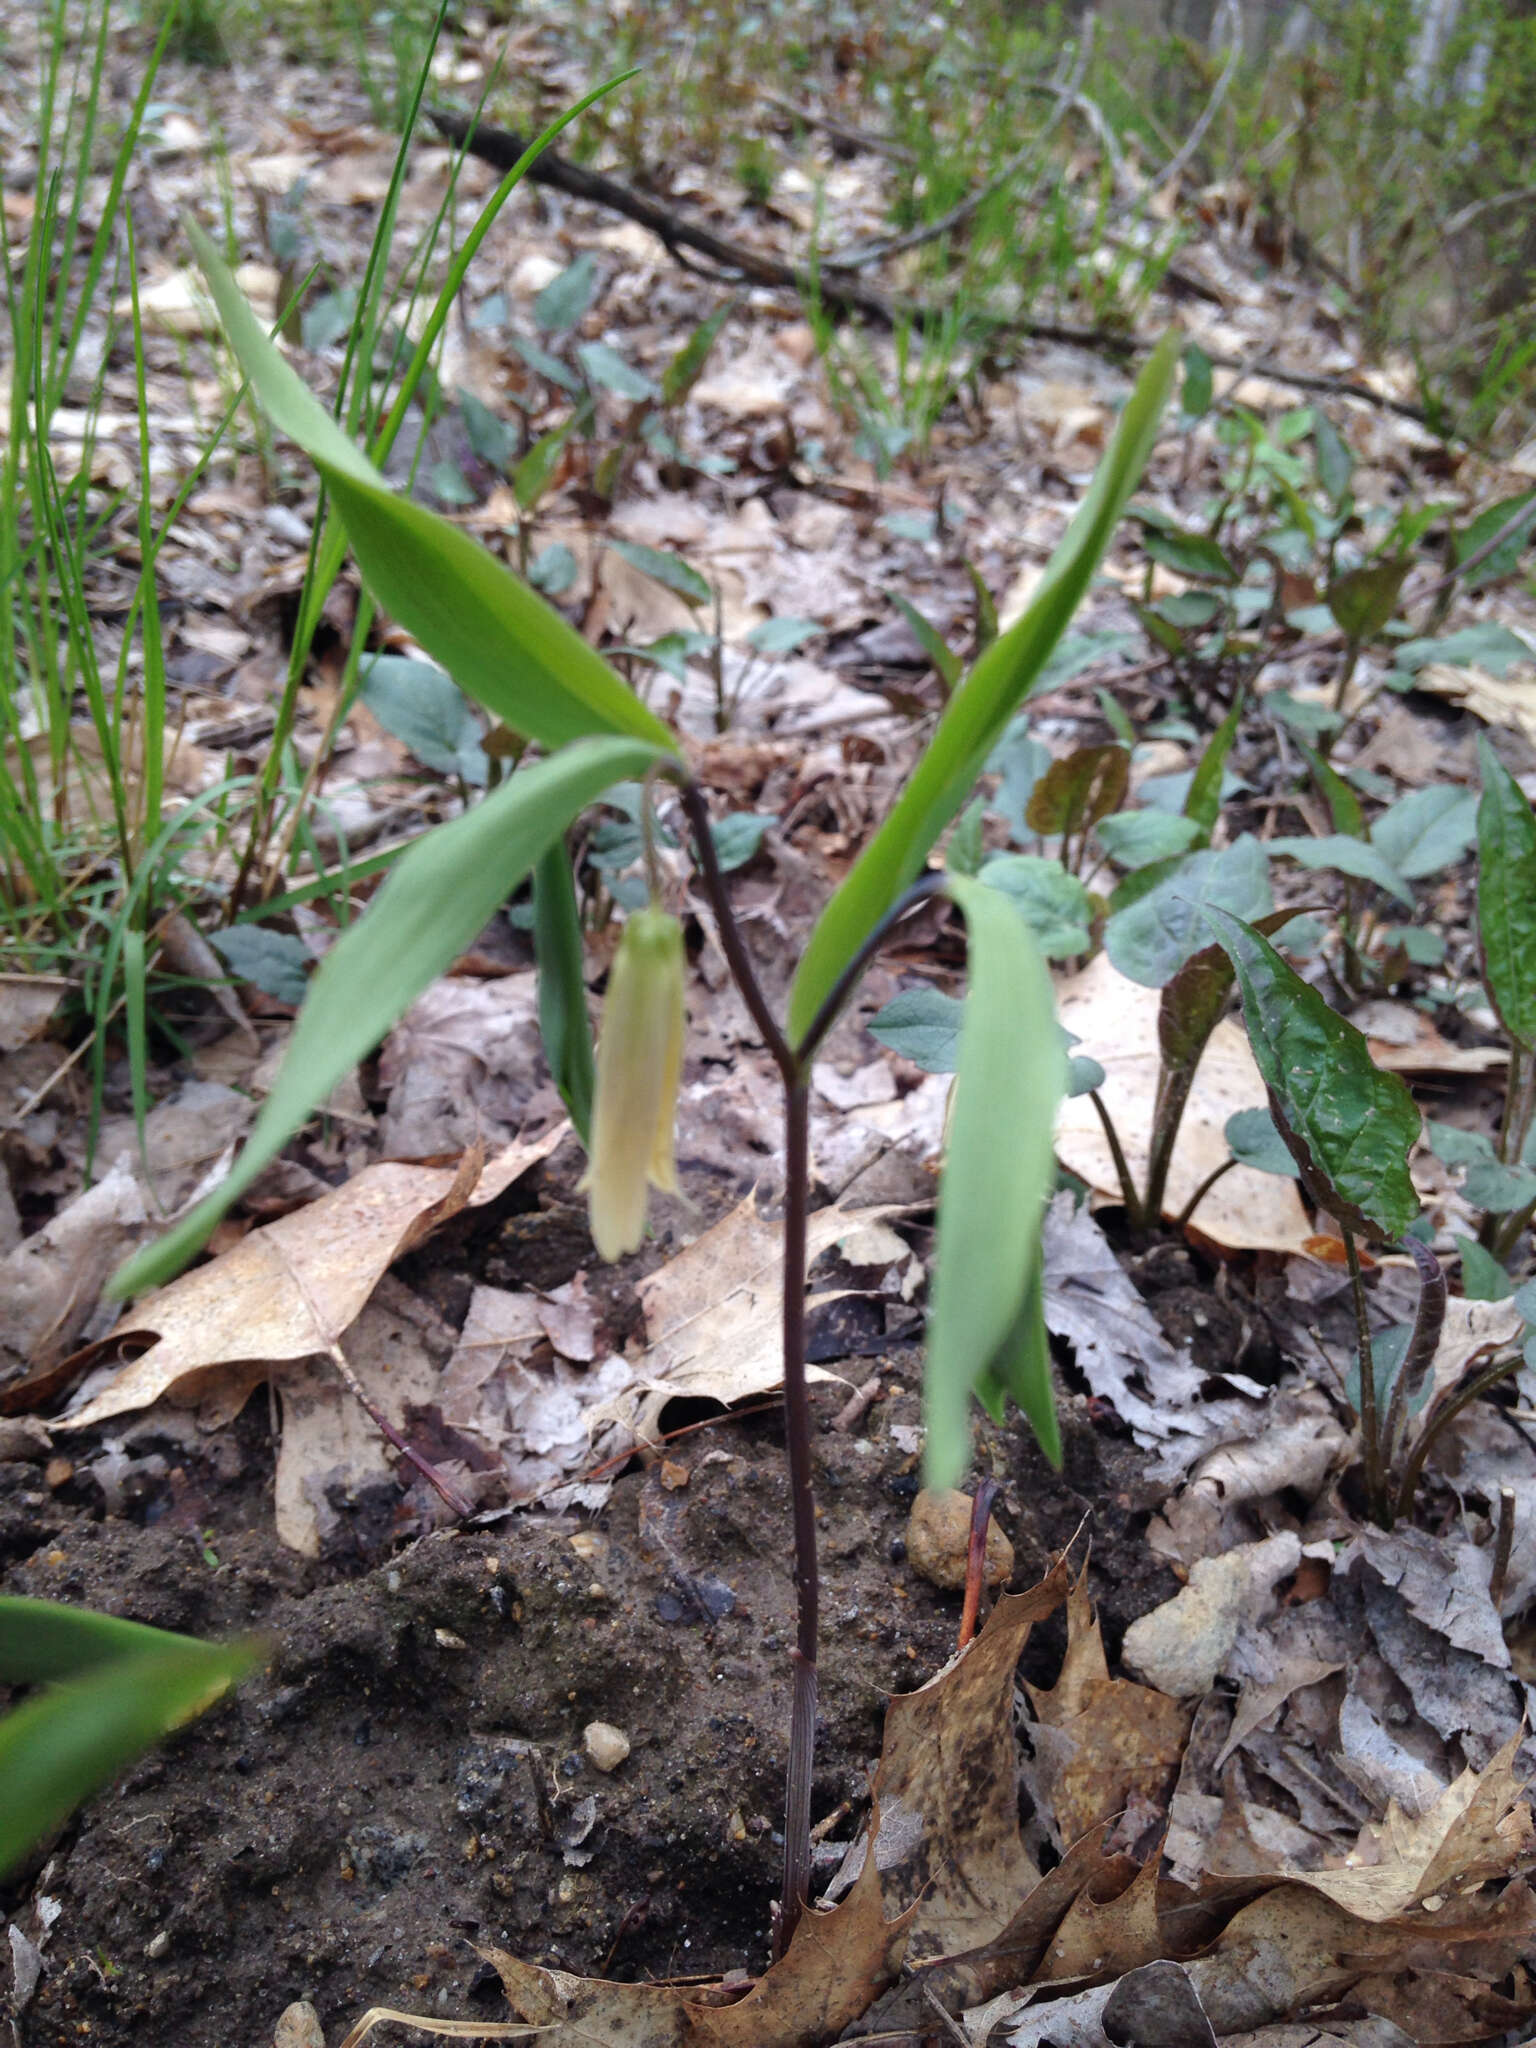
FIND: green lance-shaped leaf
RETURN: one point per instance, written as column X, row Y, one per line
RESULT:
column 1203, row 803
column 997, row 1174
column 497, row 638
column 1506, row 897
column 437, row 898
column 564, row 1024
column 1350, row 1127
column 977, row 712
column 44, row 1639
column 72, row 1738
column 1022, row 1370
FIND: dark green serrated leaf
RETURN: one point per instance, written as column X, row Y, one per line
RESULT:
column 1506, row 897
column 1363, row 600
column 1155, row 914
column 277, row 963
column 1195, row 999
column 1349, row 1126
column 1078, row 790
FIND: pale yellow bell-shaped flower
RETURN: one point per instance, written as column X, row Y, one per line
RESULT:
column 639, row 1065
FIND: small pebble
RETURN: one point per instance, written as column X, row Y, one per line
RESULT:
column 606, row 1746
column 299, row 2027
column 58, row 1472
column 159, row 1945
column 939, row 1535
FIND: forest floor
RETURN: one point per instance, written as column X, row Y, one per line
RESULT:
column 1312, row 1747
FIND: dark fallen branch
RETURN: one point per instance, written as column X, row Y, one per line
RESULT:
column 838, row 293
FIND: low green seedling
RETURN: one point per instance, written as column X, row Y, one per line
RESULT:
column 519, row 659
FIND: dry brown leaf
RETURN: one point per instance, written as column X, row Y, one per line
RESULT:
column 837, row 1964
column 1479, row 1828
column 1116, row 1020
column 27, row 1003
column 291, row 1288
column 713, row 1316
column 1099, row 1741
column 1183, row 1645
column 51, row 1282
column 946, row 1788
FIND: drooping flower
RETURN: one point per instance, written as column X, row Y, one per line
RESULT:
column 639, row 1065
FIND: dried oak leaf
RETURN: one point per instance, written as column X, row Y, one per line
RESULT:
column 837, row 1964
column 712, row 1316
column 291, row 1288
column 1099, row 1741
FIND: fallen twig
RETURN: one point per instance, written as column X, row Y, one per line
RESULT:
column 838, row 293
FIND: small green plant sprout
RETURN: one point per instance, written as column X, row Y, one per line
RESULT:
column 1349, row 1127
column 506, row 648
column 108, row 1689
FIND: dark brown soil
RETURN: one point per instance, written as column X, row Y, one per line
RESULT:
column 406, row 1776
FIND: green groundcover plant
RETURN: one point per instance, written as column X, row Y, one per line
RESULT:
column 508, row 649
